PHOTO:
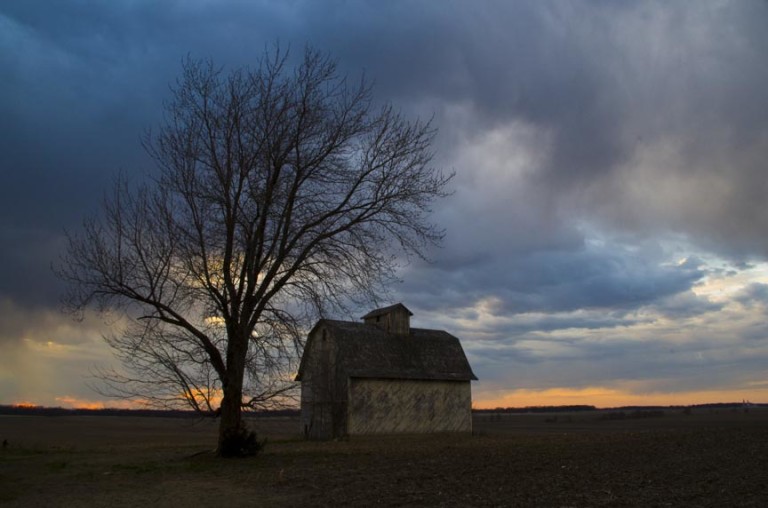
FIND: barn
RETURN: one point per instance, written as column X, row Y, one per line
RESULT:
column 381, row 376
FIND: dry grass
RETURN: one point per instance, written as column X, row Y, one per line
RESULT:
column 704, row 459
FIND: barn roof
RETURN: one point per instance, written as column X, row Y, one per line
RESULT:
column 366, row 351
column 387, row 310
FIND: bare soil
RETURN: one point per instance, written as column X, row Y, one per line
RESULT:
column 707, row 458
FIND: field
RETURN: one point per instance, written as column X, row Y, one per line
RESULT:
column 706, row 458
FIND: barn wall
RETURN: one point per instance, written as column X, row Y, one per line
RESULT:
column 313, row 408
column 323, row 390
column 397, row 321
column 316, row 413
column 379, row 406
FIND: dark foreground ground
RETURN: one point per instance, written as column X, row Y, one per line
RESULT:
column 707, row 458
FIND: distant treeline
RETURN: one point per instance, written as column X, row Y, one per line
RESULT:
column 578, row 408
column 168, row 413
column 538, row 409
column 712, row 405
column 163, row 413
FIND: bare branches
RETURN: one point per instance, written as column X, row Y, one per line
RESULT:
column 281, row 195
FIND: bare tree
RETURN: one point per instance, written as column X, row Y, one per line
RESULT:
column 281, row 194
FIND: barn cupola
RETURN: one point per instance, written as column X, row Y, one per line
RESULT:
column 393, row 319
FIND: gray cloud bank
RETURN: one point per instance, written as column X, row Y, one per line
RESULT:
column 595, row 143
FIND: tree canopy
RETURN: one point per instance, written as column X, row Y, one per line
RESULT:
column 282, row 193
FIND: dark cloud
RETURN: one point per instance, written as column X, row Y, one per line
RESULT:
column 553, row 280
column 664, row 360
column 518, row 327
column 26, row 256
column 603, row 81
column 754, row 294
column 685, row 305
column 587, row 138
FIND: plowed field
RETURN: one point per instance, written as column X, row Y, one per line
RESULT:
column 706, row 458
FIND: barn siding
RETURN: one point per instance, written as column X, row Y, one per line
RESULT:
column 379, row 406
column 395, row 319
column 323, row 390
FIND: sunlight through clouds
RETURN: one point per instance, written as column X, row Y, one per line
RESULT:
column 663, row 349
column 45, row 354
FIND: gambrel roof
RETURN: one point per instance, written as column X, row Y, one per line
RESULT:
column 367, row 351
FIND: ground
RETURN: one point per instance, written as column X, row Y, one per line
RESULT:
column 706, row 458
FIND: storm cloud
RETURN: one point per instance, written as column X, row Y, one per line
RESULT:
column 607, row 226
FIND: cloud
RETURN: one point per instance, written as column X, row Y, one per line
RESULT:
column 660, row 353
column 40, row 324
column 45, row 354
column 637, row 113
column 754, row 294
column 595, row 145
column 76, row 402
column 583, row 275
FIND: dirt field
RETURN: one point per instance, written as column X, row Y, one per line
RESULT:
column 707, row 458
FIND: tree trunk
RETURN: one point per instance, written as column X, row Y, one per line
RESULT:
column 231, row 430
column 235, row 440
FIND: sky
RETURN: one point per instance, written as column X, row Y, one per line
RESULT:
column 606, row 236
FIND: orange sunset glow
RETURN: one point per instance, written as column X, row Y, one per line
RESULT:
column 602, row 397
